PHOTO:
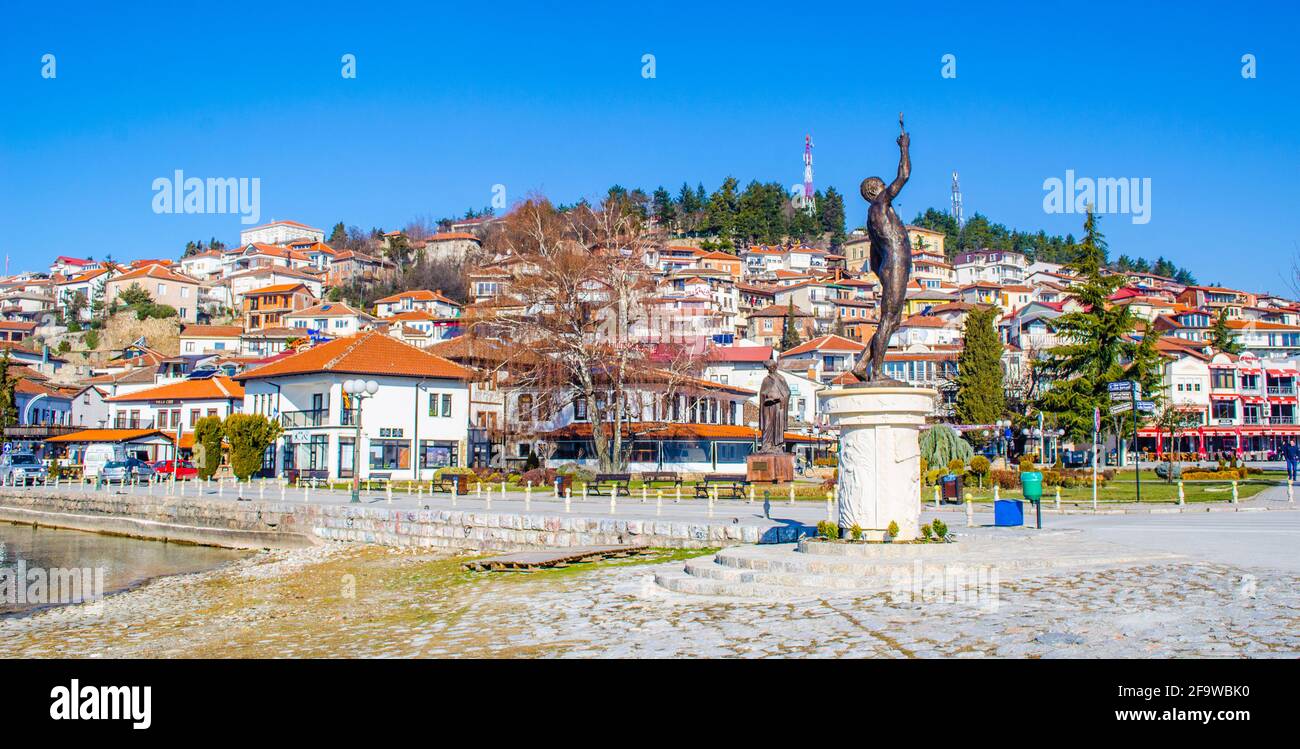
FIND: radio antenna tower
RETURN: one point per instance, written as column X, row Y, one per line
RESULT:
column 956, row 202
column 809, row 202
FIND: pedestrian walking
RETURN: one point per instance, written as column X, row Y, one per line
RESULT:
column 1291, row 452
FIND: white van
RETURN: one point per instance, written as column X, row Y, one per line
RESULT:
column 99, row 454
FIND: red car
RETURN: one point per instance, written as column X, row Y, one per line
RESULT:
column 184, row 469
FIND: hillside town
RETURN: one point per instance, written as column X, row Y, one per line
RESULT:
column 512, row 359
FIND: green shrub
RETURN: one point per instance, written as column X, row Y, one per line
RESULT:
column 940, row 529
column 855, row 532
column 249, row 435
column 827, row 529
column 1026, row 464
column 892, row 530
column 979, row 465
column 932, row 477
column 955, row 466
column 941, row 444
column 208, row 432
column 927, row 532
column 830, row 461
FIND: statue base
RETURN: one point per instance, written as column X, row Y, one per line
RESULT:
column 773, row 468
column 880, row 455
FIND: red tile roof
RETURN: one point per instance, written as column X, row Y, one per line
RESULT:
column 212, row 388
column 371, row 353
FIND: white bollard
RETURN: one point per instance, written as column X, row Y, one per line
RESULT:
column 645, row 494
column 970, row 512
column 659, row 501
column 284, row 488
column 678, row 493
column 478, row 490
column 792, row 494
column 584, row 491
column 751, row 494
column 1181, row 497
column 613, row 505
column 568, row 496
column 306, row 492
column 261, row 489
column 936, row 496
column 528, row 496
column 487, row 498
column 555, row 488
column 388, row 492
column 713, row 496
column 830, row 506
column 1058, row 498
column 1234, row 492
column 503, row 490
column 1290, row 495
column 997, row 492
column 221, row 488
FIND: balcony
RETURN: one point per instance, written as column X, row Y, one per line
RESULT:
column 1281, row 389
column 127, row 422
column 304, row 419
column 1282, row 420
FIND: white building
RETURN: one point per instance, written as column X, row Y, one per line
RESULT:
column 279, row 232
column 415, row 423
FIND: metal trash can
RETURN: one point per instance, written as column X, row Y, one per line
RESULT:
column 1031, row 483
column 1008, row 512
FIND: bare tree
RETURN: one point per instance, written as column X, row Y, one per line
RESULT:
column 575, row 296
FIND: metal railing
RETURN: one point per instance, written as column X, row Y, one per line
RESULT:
column 303, row 419
column 1281, row 389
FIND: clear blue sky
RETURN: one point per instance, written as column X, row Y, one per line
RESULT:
column 451, row 99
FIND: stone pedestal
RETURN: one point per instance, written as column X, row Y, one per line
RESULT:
column 880, row 454
column 776, row 468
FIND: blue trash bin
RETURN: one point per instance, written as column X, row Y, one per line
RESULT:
column 1008, row 512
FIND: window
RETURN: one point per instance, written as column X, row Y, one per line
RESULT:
column 435, row 454
column 733, row 452
column 194, row 417
column 525, row 407
column 446, row 405
column 390, row 455
column 162, row 289
column 346, row 445
column 185, row 292
column 579, row 409
column 686, row 451
column 433, row 404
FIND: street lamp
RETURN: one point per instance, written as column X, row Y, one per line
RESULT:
column 359, row 390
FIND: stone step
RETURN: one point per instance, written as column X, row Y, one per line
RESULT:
column 721, row 573
column 678, row 581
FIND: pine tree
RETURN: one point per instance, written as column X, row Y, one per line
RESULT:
column 980, row 397
column 1097, row 342
column 1221, row 337
column 790, row 336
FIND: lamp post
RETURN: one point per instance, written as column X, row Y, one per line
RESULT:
column 359, row 390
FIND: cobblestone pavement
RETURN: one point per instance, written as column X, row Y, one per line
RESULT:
column 297, row 604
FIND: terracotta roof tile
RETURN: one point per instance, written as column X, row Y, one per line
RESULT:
column 372, row 353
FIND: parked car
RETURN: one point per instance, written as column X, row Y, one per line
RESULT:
column 183, row 468
column 131, row 469
column 21, row 468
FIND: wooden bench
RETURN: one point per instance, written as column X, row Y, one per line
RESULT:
column 315, row 478
column 613, row 483
column 666, row 476
column 734, row 484
column 383, row 478
column 448, row 484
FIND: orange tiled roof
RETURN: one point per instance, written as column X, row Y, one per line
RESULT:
column 155, row 271
column 828, row 343
column 212, row 388
column 372, row 353
column 107, row 435
column 211, row 331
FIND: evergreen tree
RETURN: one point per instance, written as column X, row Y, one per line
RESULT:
column 664, row 210
column 1221, row 337
column 1096, row 343
column 207, row 446
column 980, row 396
column 339, row 236
column 830, row 214
column 790, row 335
column 8, row 398
column 722, row 208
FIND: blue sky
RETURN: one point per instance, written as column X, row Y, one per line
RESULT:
column 449, row 101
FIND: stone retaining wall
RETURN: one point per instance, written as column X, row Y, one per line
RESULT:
column 261, row 524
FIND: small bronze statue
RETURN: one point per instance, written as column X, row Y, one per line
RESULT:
column 891, row 259
column 773, row 411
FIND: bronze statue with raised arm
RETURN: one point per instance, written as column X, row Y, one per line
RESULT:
column 891, row 258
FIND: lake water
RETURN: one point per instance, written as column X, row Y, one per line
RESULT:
column 40, row 567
